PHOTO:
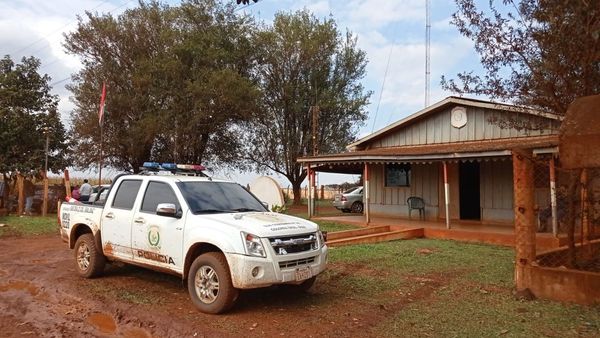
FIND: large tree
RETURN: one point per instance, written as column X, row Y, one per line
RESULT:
column 178, row 84
column 304, row 62
column 537, row 53
column 28, row 115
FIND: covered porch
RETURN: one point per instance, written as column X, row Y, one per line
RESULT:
column 467, row 231
column 467, row 188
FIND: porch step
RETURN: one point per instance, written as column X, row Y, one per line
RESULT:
column 357, row 232
column 376, row 237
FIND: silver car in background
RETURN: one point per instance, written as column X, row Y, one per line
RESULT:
column 98, row 194
column 350, row 201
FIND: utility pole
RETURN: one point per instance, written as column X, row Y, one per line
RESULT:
column 45, row 197
column 427, row 50
column 315, row 129
column 315, row 144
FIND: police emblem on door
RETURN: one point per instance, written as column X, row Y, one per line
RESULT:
column 153, row 236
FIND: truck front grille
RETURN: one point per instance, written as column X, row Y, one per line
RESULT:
column 294, row 244
column 296, row 262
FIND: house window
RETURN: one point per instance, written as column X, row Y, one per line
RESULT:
column 397, row 175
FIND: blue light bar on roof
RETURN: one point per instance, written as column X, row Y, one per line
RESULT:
column 151, row 165
column 169, row 166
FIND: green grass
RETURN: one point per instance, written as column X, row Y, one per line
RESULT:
column 462, row 310
column 28, row 225
column 486, row 264
column 442, row 288
column 333, row 226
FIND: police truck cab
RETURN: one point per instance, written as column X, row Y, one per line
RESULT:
column 213, row 233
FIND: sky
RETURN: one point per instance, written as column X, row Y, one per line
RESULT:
column 391, row 32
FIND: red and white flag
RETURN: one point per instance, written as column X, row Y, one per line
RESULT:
column 101, row 111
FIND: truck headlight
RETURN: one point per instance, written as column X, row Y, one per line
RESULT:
column 253, row 245
column 321, row 238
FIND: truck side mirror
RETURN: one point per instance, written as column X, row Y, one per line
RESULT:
column 167, row 209
column 265, row 204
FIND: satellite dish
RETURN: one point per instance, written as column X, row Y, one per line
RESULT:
column 267, row 190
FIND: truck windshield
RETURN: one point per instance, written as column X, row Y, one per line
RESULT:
column 218, row 197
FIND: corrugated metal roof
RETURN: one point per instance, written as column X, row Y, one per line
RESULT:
column 495, row 147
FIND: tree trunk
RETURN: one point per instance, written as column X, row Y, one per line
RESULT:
column 5, row 191
column 296, row 187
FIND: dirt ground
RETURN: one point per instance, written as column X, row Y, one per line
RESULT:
column 41, row 295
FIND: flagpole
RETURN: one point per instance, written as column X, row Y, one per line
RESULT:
column 100, row 162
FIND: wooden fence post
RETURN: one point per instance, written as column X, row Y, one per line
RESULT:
column 21, row 194
column 67, row 184
column 525, row 225
column 45, row 199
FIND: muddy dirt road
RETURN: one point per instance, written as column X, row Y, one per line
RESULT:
column 42, row 296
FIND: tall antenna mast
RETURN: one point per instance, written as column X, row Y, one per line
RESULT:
column 427, row 50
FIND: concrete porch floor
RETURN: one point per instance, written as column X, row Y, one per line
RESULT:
column 468, row 231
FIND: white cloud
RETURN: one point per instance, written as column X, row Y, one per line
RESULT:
column 320, row 8
column 379, row 24
column 378, row 13
column 36, row 28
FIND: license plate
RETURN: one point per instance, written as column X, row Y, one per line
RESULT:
column 303, row 273
column 337, row 198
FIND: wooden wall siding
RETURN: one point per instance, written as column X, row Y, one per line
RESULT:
column 496, row 190
column 437, row 128
column 391, row 201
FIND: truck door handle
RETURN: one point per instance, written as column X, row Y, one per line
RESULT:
column 139, row 220
column 110, row 215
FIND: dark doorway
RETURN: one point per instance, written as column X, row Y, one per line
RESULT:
column 470, row 207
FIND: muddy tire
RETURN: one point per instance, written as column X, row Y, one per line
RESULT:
column 89, row 261
column 357, row 207
column 209, row 283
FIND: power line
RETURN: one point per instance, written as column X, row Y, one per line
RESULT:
column 51, row 33
column 114, row 9
column 387, row 67
column 60, row 81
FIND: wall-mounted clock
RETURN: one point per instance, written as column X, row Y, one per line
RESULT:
column 458, row 117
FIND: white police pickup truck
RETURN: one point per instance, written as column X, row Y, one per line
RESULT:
column 211, row 232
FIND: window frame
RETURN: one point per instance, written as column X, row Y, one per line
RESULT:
column 408, row 173
column 112, row 204
column 153, row 212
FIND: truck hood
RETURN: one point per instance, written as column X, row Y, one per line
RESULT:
column 262, row 224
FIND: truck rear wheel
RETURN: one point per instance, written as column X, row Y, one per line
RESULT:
column 209, row 283
column 89, row 260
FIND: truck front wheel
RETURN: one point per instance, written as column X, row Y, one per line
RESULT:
column 89, row 260
column 209, row 283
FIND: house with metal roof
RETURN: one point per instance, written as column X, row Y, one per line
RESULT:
column 455, row 156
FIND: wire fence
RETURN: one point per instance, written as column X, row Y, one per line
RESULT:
column 323, row 193
column 566, row 205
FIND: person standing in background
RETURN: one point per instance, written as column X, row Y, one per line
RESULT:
column 28, row 191
column 75, row 193
column 85, row 191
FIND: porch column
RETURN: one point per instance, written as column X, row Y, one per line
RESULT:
column 585, row 223
column 525, row 224
column 367, row 194
column 553, row 198
column 446, row 195
column 309, row 191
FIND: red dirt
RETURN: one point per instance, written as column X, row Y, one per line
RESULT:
column 42, row 295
